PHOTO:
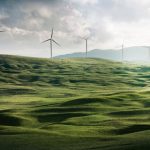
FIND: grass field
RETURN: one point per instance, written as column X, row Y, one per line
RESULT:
column 73, row 104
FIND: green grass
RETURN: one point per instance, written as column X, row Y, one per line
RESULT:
column 73, row 104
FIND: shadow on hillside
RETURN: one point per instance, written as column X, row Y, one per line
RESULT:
column 9, row 120
column 129, row 113
column 16, row 91
column 133, row 129
column 56, row 118
column 84, row 101
column 62, row 110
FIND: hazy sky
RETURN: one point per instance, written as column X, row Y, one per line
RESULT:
column 106, row 22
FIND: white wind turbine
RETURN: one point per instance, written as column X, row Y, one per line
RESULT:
column 51, row 40
column 86, row 46
column 122, row 51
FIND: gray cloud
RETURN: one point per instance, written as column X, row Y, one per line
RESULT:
column 106, row 22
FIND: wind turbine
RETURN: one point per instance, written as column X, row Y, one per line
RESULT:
column 86, row 45
column 51, row 40
column 122, row 51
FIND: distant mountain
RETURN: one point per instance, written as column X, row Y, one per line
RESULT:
column 136, row 53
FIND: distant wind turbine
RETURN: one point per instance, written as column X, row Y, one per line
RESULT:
column 51, row 43
column 86, row 45
column 122, row 51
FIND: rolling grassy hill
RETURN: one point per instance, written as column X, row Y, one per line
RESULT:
column 73, row 104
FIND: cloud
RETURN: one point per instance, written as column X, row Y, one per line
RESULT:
column 106, row 22
column 3, row 16
column 83, row 2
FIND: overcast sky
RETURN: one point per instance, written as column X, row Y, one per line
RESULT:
column 105, row 22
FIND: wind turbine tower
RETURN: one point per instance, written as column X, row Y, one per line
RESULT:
column 86, row 46
column 51, row 40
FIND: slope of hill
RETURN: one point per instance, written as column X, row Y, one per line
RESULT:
column 138, row 53
column 73, row 104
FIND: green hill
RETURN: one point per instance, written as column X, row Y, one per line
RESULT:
column 73, row 104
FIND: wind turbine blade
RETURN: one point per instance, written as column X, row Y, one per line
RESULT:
column 80, row 37
column 46, row 40
column 52, row 34
column 84, row 38
column 56, row 42
column 2, row 31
